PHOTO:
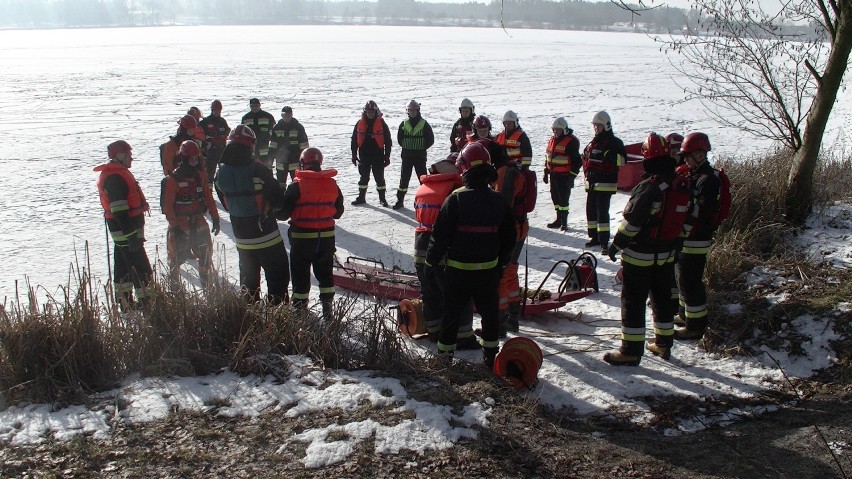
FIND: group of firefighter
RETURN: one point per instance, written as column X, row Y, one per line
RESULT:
column 471, row 212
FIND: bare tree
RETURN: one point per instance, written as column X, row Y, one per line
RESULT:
column 761, row 73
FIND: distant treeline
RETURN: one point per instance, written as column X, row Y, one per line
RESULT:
column 565, row 15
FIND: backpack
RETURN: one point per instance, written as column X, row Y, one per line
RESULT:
column 530, row 189
column 667, row 224
column 724, row 210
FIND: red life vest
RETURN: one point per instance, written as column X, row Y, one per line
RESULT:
column 556, row 156
column 594, row 159
column 512, row 144
column 189, row 196
column 378, row 132
column 135, row 199
column 317, row 196
column 667, row 222
column 430, row 197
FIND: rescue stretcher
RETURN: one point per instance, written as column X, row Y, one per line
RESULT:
column 371, row 277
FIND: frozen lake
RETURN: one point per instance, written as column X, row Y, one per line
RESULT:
column 66, row 94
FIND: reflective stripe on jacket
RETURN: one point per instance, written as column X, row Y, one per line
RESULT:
column 557, row 160
column 135, row 203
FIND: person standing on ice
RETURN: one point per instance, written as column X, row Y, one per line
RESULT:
column 261, row 123
column 216, row 132
column 601, row 160
column 515, row 140
column 463, row 127
column 482, row 134
column 443, row 179
column 312, row 202
column 414, row 136
column 562, row 164
column 251, row 195
column 475, row 233
column 184, row 199
column 371, row 149
column 124, row 207
column 288, row 142
column 169, row 150
column 654, row 219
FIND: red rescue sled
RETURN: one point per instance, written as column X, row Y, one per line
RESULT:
column 580, row 280
column 370, row 276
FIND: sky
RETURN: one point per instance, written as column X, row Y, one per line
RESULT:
column 81, row 89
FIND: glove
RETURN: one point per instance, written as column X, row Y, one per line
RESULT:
column 216, row 227
column 134, row 244
column 387, row 161
column 612, row 251
column 355, row 160
column 546, row 177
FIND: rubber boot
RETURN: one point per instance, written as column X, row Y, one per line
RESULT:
column 618, row 358
column 557, row 222
column 382, row 199
column 512, row 317
column 488, row 357
column 564, row 218
column 400, row 198
column 661, row 351
column 327, row 309
column 360, row 200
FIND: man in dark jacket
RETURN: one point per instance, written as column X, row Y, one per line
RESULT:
column 371, row 150
column 601, row 160
column 414, row 137
column 475, row 231
column 261, row 123
column 288, row 141
column 216, row 132
column 312, row 202
column 463, row 127
column 251, row 195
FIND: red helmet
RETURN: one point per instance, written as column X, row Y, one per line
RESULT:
column 655, row 146
column 116, row 148
column 188, row 122
column 481, row 121
column 472, row 155
column 216, row 105
column 674, row 140
column 310, row 158
column 695, row 142
column 243, row 135
column 371, row 105
column 189, row 148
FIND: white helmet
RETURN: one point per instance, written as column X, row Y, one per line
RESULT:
column 510, row 116
column 466, row 104
column 602, row 118
column 413, row 105
column 562, row 124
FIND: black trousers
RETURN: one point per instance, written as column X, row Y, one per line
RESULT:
column 130, row 267
column 693, row 295
column 463, row 285
column 316, row 253
column 273, row 261
column 409, row 162
column 560, row 191
column 639, row 283
column 597, row 215
column 365, row 167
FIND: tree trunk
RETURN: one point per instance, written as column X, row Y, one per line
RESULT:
column 799, row 195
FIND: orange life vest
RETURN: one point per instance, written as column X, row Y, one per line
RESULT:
column 556, row 155
column 378, row 132
column 512, row 144
column 430, row 197
column 317, row 196
column 135, row 198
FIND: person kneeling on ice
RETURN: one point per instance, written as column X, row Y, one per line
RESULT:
column 654, row 220
column 475, row 232
column 442, row 179
column 312, row 202
column 185, row 197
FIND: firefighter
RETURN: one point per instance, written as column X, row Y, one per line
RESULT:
column 371, row 150
column 195, row 113
column 169, row 150
column 512, row 185
column 443, row 179
column 185, row 197
column 482, row 133
column 675, row 140
column 312, row 202
column 261, row 123
column 601, row 160
column 216, row 131
column 561, row 167
column 124, row 207
column 689, row 271
column 250, row 194
column 288, row 142
column 463, row 127
column 515, row 140
column 653, row 221
column 475, row 233
column 414, row 137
